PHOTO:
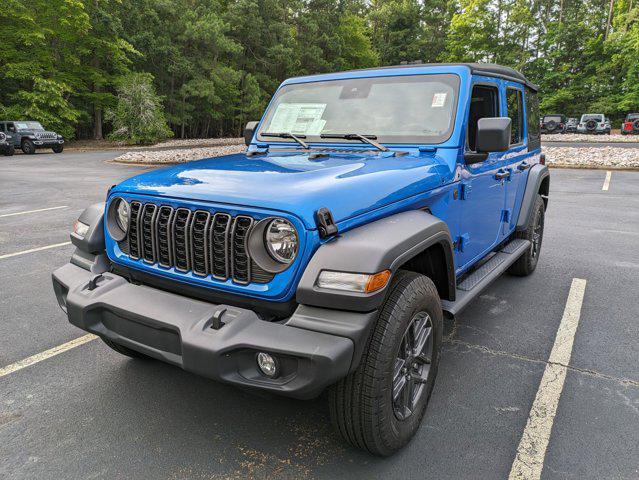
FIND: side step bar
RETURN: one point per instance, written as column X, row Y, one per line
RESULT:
column 484, row 275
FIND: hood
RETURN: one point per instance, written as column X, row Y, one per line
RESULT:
column 347, row 184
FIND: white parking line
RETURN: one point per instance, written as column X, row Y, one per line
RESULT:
column 531, row 452
column 31, row 250
column 52, row 352
column 606, row 184
column 33, row 211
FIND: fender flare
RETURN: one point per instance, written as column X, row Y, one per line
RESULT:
column 384, row 244
column 536, row 176
column 93, row 241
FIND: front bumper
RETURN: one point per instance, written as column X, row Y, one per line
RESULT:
column 315, row 347
column 47, row 143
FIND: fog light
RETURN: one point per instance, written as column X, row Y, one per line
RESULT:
column 268, row 364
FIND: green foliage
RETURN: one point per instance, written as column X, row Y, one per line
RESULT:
column 216, row 63
column 138, row 116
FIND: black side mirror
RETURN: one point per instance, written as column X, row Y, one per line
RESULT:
column 249, row 131
column 493, row 134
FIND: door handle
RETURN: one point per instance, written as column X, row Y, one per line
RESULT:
column 500, row 175
column 523, row 166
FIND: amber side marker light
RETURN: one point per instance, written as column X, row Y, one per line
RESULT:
column 378, row 281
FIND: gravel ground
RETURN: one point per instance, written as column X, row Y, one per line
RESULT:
column 588, row 157
column 581, row 138
column 178, row 156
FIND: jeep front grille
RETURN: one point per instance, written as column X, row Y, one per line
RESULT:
column 201, row 242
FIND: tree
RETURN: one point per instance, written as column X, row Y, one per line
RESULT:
column 138, row 116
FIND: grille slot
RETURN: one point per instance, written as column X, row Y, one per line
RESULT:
column 163, row 237
column 199, row 238
column 220, row 227
column 201, row 242
column 134, row 231
column 148, row 234
column 181, row 239
column 240, row 261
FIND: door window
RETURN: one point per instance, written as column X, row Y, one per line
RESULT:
column 515, row 105
column 484, row 104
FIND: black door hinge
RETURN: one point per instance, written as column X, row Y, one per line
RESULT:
column 325, row 223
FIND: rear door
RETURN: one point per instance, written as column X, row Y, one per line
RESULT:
column 515, row 159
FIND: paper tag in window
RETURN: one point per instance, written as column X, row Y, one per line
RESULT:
column 439, row 99
column 299, row 118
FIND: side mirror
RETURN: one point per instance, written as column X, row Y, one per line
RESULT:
column 249, row 131
column 493, row 134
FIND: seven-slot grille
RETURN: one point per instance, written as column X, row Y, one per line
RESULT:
column 201, row 242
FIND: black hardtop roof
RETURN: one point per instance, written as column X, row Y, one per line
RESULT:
column 485, row 69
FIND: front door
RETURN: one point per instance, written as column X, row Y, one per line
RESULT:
column 483, row 185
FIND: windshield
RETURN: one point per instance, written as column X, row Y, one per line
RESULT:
column 400, row 109
column 554, row 118
column 29, row 126
column 632, row 116
column 596, row 118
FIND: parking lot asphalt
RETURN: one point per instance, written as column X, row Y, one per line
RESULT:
column 91, row 413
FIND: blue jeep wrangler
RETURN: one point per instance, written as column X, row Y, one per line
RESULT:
column 368, row 205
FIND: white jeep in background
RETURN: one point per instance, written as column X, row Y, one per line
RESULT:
column 594, row 123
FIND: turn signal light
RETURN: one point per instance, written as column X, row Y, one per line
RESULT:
column 377, row 281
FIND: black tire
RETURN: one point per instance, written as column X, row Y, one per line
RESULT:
column 9, row 151
column 58, row 148
column 362, row 406
column 28, row 147
column 534, row 232
column 124, row 350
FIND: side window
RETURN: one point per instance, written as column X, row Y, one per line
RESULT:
column 532, row 108
column 2, row 127
column 484, row 103
column 11, row 128
column 515, row 105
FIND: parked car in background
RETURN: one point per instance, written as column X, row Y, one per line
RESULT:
column 6, row 146
column 553, row 124
column 30, row 136
column 595, row 123
column 630, row 125
column 571, row 125
column 367, row 205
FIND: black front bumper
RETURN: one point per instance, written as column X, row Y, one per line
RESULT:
column 47, row 143
column 315, row 347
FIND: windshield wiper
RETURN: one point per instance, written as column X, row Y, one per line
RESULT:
column 297, row 138
column 370, row 139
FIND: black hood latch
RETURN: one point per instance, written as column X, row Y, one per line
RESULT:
column 325, row 223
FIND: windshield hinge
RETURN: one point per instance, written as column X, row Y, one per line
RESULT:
column 325, row 223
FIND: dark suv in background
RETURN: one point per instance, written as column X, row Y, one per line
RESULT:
column 6, row 147
column 553, row 124
column 29, row 136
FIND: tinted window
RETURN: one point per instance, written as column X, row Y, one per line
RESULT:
column 532, row 111
column 554, row 118
column 516, row 113
column 484, row 104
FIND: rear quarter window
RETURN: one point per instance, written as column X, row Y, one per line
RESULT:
column 532, row 120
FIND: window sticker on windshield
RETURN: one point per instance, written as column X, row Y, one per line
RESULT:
column 439, row 100
column 299, row 118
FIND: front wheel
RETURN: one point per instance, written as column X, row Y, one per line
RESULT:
column 28, row 147
column 534, row 233
column 380, row 406
column 58, row 148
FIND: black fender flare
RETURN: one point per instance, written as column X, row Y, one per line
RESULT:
column 384, row 244
column 90, row 251
column 537, row 174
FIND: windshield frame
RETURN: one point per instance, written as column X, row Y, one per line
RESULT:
column 453, row 79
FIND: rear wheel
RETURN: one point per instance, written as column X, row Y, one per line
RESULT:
column 534, row 233
column 9, row 150
column 28, row 147
column 380, row 406
column 123, row 350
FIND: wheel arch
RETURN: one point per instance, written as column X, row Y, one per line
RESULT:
column 538, row 183
column 414, row 240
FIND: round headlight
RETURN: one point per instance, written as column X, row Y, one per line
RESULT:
column 122, row 217
column 281, row 240
column 117, row 219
